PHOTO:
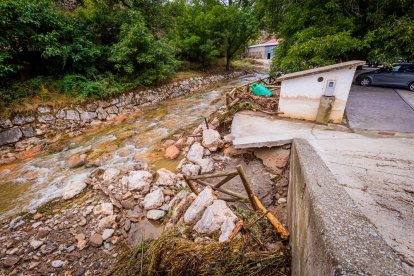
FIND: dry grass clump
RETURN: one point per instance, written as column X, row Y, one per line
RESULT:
column 173, row 254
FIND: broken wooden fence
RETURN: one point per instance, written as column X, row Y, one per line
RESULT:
column 234, row 196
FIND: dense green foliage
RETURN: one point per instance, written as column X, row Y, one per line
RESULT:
column 321, row 32
column 107, row 46
column 208, row 29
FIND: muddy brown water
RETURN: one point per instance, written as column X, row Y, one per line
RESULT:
column 27, row 184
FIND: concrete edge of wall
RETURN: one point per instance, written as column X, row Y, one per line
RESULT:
column 329, row 234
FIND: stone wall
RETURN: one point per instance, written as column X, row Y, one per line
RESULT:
column 26, row 130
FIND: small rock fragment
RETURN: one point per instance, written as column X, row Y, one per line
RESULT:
column 165, row 178
column 57, row 263
column 107, row 233
column 155, row 214
column 154, row 199
column 96, row 240
column 11, row 260
column 35, row 244
column 171, row 152
column 110, row 174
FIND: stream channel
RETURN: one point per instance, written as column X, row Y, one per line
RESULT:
column 27, row 184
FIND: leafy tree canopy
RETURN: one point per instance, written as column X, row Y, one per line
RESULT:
column 317, row 33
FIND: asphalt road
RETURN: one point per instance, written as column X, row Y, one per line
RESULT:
column 378, row 108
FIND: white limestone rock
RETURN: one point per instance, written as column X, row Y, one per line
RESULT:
column 211, row 139
column 154, row 199
column 106, row 222
column 207, row 165
column 105, row 208
column 226, row 229
column 155, row 214
column 199, row 205
column 139, row 180
column 166, row 178
column 107, row 233
column 73, row 188
column 190, row 169
column 195, row 154
column 214, row 217
column 110, row 174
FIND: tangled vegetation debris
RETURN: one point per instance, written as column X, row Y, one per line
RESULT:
column 257, row 250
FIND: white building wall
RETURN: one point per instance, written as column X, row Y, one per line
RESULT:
column 299, row 97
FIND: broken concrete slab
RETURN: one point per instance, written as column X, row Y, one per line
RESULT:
column 252, row 130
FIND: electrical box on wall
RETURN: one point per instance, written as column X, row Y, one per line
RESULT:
column 330, row 88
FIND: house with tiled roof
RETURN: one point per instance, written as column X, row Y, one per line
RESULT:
column 264, row 50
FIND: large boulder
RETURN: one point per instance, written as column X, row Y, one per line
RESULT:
column 212, row 139
column 139, row 180
column 165, row 178
column 199, row 205
column 214, row 217
column 154, row 199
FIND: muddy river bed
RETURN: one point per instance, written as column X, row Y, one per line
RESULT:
column 28, row 184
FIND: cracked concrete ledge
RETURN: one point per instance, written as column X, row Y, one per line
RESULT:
column 329, row 234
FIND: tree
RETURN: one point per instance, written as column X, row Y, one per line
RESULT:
column 317, row 33
column 208, row 29
column 239, row 27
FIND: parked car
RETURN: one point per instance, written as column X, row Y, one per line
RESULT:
column 399, row 75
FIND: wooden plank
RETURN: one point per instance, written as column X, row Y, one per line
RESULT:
column 225, row 191
column 224, row 181
column 191, row 185
column 247, row 186
column 213, row 175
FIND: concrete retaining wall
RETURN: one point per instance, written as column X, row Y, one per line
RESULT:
column 329, row 234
